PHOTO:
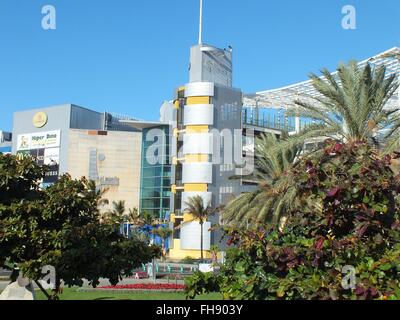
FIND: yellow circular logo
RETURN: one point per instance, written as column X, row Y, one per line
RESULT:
column 40, row 120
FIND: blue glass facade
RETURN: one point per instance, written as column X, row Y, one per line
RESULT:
column 155, row 181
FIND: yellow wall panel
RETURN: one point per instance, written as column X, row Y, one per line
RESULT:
column 197, row 100
column 197, row 129
column 178, row 254
column 188, row 217
column 193, row 187
column 173, row 188
column 190, row 158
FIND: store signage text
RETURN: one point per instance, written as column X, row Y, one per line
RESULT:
column 31, row 141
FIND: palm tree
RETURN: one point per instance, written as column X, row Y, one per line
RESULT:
column 163, row 233
column 148, row 218
column 119, row 208
column 275, row 193
column 351, row 104
column 200, row 211
column 392, row 135
column 99, row 193
column 116, row 216
column 134, row 216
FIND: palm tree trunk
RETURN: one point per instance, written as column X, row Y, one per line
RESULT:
column 201, row 242
column 43, row 290
column 163, row 250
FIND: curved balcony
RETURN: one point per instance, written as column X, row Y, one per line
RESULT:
column 197, row 172
column 200, row 114
column 199, row 89
column 198, row 143
column 190, row 235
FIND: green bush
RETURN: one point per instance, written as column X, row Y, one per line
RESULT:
column 188, row 260
column 348, row 217
column 201, row 283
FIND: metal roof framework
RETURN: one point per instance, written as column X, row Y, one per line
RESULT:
column 142, row 125
column 285, row 97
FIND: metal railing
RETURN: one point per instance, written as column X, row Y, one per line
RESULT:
column 268, row 121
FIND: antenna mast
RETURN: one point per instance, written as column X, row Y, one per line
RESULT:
column 201, row 23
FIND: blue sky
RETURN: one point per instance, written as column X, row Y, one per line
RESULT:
column 128, row 56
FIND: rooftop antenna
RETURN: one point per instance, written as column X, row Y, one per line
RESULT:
column 201, row 23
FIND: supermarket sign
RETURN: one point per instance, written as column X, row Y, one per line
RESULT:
column 42, row 140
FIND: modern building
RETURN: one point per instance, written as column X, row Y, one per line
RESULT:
column 5, row 142
column 210, row 123
column 203, row 144
column 207, row 138
column 208, row 118
column 81, row 142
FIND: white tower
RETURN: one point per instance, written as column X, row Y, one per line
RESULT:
column 209, row 63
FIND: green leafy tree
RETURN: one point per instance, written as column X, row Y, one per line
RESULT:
column 61, row 226
column 20, row 203
column 347, row 215
column 200, row 212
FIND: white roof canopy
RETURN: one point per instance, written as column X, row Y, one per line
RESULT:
column 286, row 96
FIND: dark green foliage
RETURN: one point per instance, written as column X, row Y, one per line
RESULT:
column 201, row 283
column 347, row 216
column 188, row 260
column 61, row 226
column 20, row 203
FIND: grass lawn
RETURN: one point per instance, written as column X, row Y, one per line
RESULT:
column 73, row 294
